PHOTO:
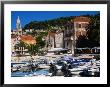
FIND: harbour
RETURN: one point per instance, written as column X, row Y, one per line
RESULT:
column 77, row 67
column 67, row 46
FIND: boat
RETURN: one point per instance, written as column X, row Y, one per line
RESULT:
column 76, row 71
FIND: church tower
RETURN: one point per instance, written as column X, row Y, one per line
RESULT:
column 18, row 27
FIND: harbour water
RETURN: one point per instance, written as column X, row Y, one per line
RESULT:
column 36, row 73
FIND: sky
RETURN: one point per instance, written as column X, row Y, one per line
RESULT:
column 28, row 16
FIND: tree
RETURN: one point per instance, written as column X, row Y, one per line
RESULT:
column 20, row 46
column 33, row 49
column 93, row 30
column 40, row 41
column 33, row 33
column 93, row 33
column 48, row 24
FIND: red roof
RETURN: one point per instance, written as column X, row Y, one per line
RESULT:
column 28, row 39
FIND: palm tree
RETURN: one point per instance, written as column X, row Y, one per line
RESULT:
column 20, row 46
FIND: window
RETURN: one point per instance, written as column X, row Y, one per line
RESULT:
column 79, row 26
column 84, row 25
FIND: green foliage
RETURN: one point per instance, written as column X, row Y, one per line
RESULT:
column 33, row 33
column 93, row 33
column 20, row 45
column 40, row 41
column 33, row 49
column 30, row 25
column 94, row 29
column 48, row 24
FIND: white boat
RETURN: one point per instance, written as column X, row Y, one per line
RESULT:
column 58, row 67
column 49, row 74
column 76, row 69
column 43, row 66
column 76, row 72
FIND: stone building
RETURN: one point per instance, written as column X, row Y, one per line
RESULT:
column 56, row 38
column 17, row 36
column 66, row 38
column 80, row 25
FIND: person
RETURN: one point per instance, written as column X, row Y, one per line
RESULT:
column 53, row 69
column 69, row 66
column 65, row 70
column 92, row 62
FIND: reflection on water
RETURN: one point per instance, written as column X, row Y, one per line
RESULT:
column 22, row 74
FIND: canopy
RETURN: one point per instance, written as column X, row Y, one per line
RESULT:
column 50, row 54
column 86, row 57
column 57, row 49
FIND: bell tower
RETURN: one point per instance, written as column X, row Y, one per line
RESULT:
column 18, row 26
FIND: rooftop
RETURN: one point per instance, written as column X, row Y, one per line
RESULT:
column 82, row 19
column 28, row 39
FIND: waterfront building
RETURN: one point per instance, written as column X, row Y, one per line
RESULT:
column 17, row 36
column 56, row 38
column 14, row 41
column 80, row 25
column 66, row 38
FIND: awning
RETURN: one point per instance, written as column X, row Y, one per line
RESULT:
column 86, row 57
column 57, row 49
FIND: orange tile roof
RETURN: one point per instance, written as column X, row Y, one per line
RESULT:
column 82, row 19
column 28, row 39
